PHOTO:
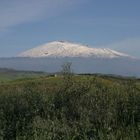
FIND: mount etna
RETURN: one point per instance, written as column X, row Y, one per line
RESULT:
column 49, row 57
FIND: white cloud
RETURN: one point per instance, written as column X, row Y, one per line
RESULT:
column 20, row 11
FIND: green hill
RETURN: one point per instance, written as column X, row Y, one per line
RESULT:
column 10, row 74
column 85, row 107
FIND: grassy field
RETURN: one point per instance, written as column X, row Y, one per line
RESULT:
column 75, row 107
column 10, row 74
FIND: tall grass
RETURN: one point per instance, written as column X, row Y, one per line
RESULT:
column 86, row 108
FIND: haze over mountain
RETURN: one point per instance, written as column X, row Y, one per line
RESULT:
column 66, row 49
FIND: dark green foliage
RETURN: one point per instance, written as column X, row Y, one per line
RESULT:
column 86, row 108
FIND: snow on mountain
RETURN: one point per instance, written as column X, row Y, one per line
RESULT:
column 66, row 49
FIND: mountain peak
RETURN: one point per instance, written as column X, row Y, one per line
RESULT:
column 67, row 49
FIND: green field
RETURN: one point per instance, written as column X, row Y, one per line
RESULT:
column 10, row 74
column 75, row 107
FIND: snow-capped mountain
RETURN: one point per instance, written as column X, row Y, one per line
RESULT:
column 66, row 49
column 50, row 57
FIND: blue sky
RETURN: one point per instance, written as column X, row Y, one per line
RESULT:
column 25, row 24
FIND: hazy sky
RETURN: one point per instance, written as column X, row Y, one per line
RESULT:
column 25, row 24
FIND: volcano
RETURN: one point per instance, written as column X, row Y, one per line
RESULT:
column 61, row 49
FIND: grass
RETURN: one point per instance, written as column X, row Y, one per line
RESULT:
column 84, row 107
column 10, row 74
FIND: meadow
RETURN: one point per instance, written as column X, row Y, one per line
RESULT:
column 70, row 107
column 11, row 74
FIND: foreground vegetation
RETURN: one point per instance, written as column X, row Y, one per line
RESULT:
column 83, row 107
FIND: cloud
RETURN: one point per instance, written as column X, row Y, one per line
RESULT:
column 129, row 46
column 21, row 11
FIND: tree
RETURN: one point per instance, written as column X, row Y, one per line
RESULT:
column 67, row 73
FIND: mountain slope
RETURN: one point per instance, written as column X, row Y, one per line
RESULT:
column 67, row 49
column 51, row 56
